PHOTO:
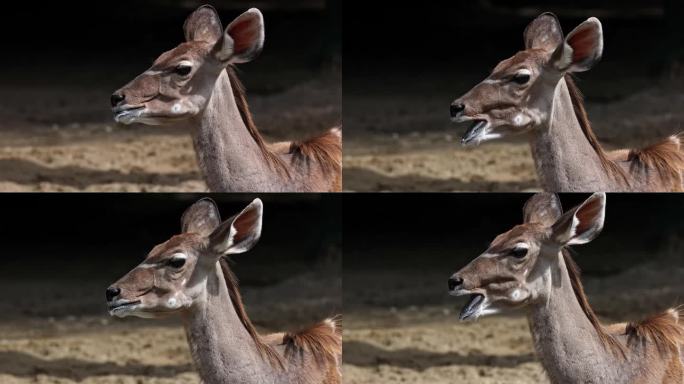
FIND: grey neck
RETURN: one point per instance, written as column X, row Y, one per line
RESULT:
column 228, row 156
column 565, row 340
column 221, row 347
column 564, row 158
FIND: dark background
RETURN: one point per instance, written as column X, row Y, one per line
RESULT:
column 103, row 45
column 52, row 241
column 446, row 231
column 443, row 48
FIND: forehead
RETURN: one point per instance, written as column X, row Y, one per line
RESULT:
column 521, row 232
column 186, row 51
column 529, row 57
column 176, row 243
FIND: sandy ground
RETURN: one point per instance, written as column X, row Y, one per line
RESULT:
column 62, row 138
column 48, row 337
column 403, row 328
column 403, row 141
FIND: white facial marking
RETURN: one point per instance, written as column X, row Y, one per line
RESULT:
column 524, row 72
column 172, row 303
column 491, row 81
column 517, row 120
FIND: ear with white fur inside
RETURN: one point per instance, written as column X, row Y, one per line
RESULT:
column 240, row 233
column 583, row 223
column 582, row 49
column 243, row 39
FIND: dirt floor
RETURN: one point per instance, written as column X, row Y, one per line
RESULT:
column 402, row 140
column 62, row 137
column 390, row 338
column 59, row 332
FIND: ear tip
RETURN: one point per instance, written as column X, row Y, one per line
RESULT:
column 206, row 200
column 257, row 203
column 206, row 7
column 599, row 195
column 548, row 14
column 256, row 12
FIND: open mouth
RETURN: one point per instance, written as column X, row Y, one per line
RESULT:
column 473, row 308
column 127, row 115
column 475, row 133
column 121, row 306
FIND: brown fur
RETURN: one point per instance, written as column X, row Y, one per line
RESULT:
column 665, row 157
column 323, row 341
column 663, row 330
column 326, row 149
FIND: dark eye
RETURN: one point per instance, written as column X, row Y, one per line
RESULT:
column 521, row 78
column 183, row 70
column 519, row 252
column 176, row 262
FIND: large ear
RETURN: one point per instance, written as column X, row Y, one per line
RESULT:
column 543, row 208
column 544, row 32
column 203, row 25
column 240, row 233
column 243, row 38
column 582, row 48
column 581, row 224
column 203, row 217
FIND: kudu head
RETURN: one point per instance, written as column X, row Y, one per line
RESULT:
column 174, row 274
column 514, row 271
column 180, row 82
column 517, row 97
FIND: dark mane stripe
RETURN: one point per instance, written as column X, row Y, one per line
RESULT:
column 325, row 149
column 580, row 112
column 665, row 157
column 240, row 97
column 664, row 330
column 608, row 340
column 267, row 351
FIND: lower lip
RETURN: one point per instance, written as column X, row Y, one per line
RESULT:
column 127, row 113
column 123, row 306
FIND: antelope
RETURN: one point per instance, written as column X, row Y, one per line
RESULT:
column 195, row 86
column 533, row 94
column 188, row 276
column 530, row 268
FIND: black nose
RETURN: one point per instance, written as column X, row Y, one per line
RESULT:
column 454, row 282
column 457, row 109
column 112, row 292
column 117, row 98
